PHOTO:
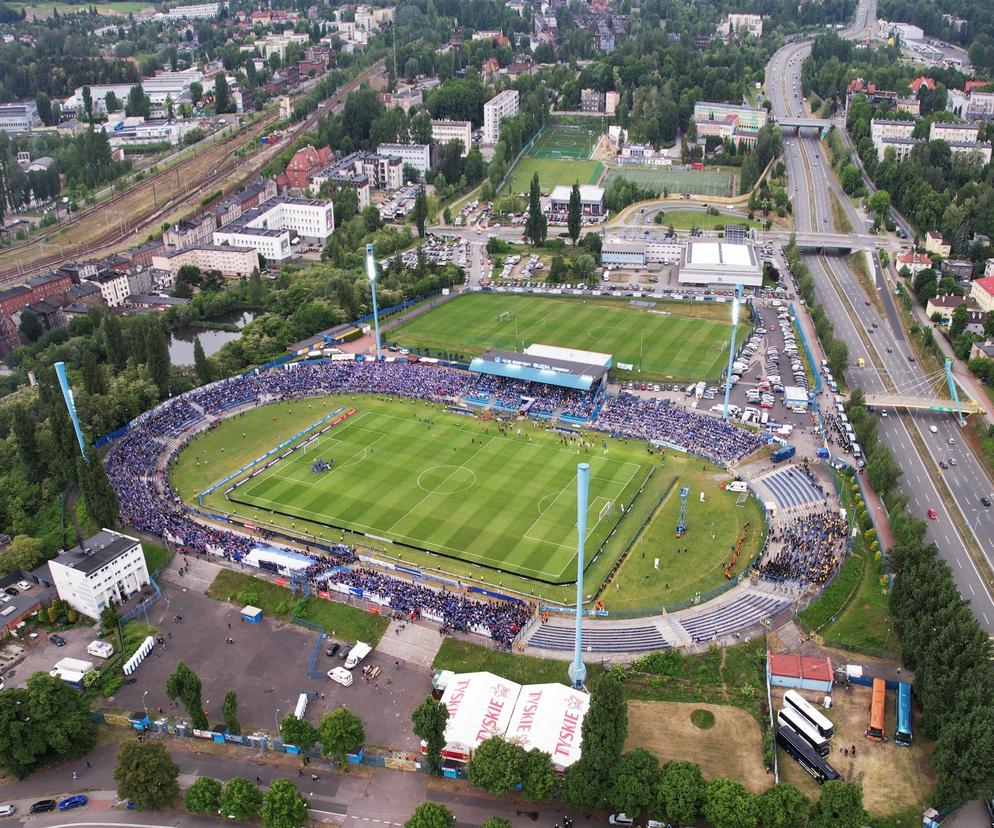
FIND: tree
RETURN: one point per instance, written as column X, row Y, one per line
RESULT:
column 201, row 365
column 45, row 722
column 157, row 349
column 99, row 497
column 184, row 684
column 240, row 799
column 727, row 804
column 146, row 774
column 31, row 328
column 838, row 357
column 495, row 766
column 94, row 380
column 680, row 792
column 635, row 783
column 430, row 815
column 538, row 775
column 496, row 822
column 371, row 216
column 475, row 168
column 44, row 106
column 298, row 732
column 879, row 204
column 782, row 806
column 585, row 269
column 961, row 316
column 420, row 211
column 23, row 552
column 138, row 103
column 24, row 428
column 88, row 104
column 574, row 213
column 229, row 709
column 283, row 806
column 203, row 796
column 603, row 734
column 839, row 806
column 429, row 719
column 196, row 92
column 113, row 336
column 536, row 225
column 340, row 732
column 111, row 102
column 222, row 95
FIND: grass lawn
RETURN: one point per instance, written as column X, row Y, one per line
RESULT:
column 716, row 182
column 157, row 557
column 464, row 657
column 666, row 341
column 40, row 11
column 688, row 219
column 337, row 620
column 551, row 172
column 713, row 527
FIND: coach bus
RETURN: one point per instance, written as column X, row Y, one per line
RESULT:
column 875, row 732
column 902, row 736
column 801, row 705
column 796, row 722
column 805, row 755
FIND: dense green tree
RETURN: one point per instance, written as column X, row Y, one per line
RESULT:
column 113, row 336
column 420, row 211
column 536, row 225
column 138, row 105
column 203, row 796
column 496, row 822
column 340, row 732
column 229, row 710
column 839, row 806
column 30, row 327
column 240, row 799
column 184, row 685
column 430, row 815
column 157, row 351
column 603, row 734
column 574, row 213
column 222, row 94
column 961, row 316
column 99, row 497
column 727, row 804
column 201, row 365
column 298, row 732
column 94, row 380
column 636, row 783
column 146, row 774
column 430, row 719
column 538, row 776
column 496, row 766
column 680, row 794
column 25, row 434
column 782, row 806
column 283, row 806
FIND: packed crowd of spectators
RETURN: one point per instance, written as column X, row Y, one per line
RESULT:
column 547, row 400
column 811, row 547
column 630, row 416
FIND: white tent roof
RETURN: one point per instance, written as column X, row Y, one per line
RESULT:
column 569, row 355
column 549, row 717
column 480, row 706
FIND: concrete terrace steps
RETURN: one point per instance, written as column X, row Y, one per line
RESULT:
column 749, row 609
column 608, row 639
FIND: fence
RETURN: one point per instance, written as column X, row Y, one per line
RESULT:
column 143, row 607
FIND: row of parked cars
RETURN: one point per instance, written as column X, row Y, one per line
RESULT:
column 45, row 806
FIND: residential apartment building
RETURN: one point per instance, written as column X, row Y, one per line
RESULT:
column 444, row 131
column 231, row 262
column 414, row 155
column 105, row 570
column 886, row 133
column 934, row 243
column 113, row 286
column 503, row 105
column 19, row 117
column 982, row 292
column 190, row 232
column 200, row 11
column 272, row 227
column 940, row 131
column 981, row 148
column 741, row 24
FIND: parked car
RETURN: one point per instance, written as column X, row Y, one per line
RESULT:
column 333, row 649
column 624, row 819
column 7, row 810
column 57, row 640
column 75, row 801
column 42, row 806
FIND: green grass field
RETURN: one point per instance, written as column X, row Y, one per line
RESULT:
column 564, row 142
column 503, row 502
column 41, row 11
column 671, row 344
column 551, row 173
column 688, row 219
column 704, row 182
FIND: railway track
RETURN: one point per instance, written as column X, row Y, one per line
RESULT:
column 130, row 216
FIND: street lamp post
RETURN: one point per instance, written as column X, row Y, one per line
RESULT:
column 276, row 718
column 731, row 350
column 371, row 274
column 143, row 703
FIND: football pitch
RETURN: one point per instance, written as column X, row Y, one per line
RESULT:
column 698, row 182
column 551, row 173
column 401, row 473
column 683, row 341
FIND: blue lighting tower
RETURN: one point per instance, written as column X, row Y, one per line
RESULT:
column 577, row 670
column 371, row 273
column 736, row 302
column 60, row 372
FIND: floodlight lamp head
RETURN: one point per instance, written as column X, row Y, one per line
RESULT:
column 735, row 311
column 370, row 263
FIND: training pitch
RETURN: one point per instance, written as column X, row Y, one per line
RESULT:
column 552, row 173
column 671, row 340
column 698, row 182
column 451, row 485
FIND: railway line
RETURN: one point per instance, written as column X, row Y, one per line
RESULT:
column 130, row 216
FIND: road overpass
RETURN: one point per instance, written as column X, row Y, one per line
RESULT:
column 798, row 124
column 922, row 404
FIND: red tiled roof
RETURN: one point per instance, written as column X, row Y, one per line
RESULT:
column 797, row 666
column 986, row 284
column 921, row 81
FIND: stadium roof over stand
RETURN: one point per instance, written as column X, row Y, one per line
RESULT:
column 543, row 716
column 543, row 369
column 569, row 355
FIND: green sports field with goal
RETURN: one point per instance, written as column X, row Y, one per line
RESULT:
column 450, row 485
column 678, row 340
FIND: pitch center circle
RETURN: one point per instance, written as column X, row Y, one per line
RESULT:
column 446, row 480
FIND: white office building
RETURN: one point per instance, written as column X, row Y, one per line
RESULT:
column 272, row 227
column 106, row 569
column 444, row 131
column 19, row 117
column 720, row 263
column 200, row 11
column 503, row 105
column 159, row 88
column 415, row 155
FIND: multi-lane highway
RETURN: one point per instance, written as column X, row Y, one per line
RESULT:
column 880, row 340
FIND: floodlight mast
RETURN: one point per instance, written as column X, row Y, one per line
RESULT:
column 371, row 275
column 736, row 304
column 577, row 670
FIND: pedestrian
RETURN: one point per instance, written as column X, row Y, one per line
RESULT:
column 300, row 772
column 88, row 763
column 258, row 780
column 396, row 665
column 74, row 775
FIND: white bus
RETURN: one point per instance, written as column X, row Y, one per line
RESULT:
column 788, row 717
column 795, row 700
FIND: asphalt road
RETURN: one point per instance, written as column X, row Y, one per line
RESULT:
column 853, row 317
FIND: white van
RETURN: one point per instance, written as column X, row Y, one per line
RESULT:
column 341, row 675
column 100, row 649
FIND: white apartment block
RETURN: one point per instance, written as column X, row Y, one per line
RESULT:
column 939, row 131
column 201, row 11
column 885, row 133
column 415, row 155
column 106, row 569
column 277, row 43
column 741, row 24
column 232, row 262
column 503, row 105
column 271, row 227
column 444, row 131
column 114, row 287
column 981, row 148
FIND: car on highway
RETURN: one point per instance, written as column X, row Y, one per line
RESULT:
column 933, row 429
column 75, row 801
column 57, row 640
column 933, row 515
column 942, row 464
column 952, row 441
column 7, row 810
column 986, row 501
column 42, row 806
column 952, row 461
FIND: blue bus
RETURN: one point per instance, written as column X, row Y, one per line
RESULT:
column 903, row 734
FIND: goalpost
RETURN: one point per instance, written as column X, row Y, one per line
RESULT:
column 606, row 509
column 504, row 316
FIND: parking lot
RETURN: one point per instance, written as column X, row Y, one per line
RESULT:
column 267, row 665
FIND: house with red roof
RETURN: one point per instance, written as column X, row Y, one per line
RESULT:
column 915, row 262
column 305, row 162
column 921, row 81
column 982, row 292
column 800, row 672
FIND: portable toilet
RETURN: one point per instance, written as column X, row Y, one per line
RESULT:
column 251, row 614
